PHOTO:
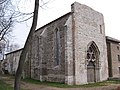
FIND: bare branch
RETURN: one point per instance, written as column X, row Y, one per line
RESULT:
column 5, row 30
column 2, row 1
column 19, row 14
column 44, row 3
column 25, row 19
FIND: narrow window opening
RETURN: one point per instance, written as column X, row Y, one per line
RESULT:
column 119, row 70
column 118, row 57
column 101, row 29
column 57, row 47
column 117, row 47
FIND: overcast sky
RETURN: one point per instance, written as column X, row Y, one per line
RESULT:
column 57, row 8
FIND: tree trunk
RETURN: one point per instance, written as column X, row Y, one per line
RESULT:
column 25, row 49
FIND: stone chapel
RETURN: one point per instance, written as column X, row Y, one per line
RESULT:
column 71, row 49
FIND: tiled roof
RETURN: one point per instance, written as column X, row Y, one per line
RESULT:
column 112, row 39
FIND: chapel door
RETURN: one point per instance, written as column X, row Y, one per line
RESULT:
column 92, row 63
column 91, row 72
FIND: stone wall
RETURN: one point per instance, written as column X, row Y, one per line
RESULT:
column 88, row 25
column 43, row 61
column 69, row 63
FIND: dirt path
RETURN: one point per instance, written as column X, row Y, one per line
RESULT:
column 29, row 86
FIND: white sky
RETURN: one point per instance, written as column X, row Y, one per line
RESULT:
column 57, row 8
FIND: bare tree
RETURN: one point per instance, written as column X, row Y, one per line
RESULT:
column 9, row 15
column 6, row 19
column 25, row 49
column 6, row 23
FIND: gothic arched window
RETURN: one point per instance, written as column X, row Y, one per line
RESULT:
column 92, row 53
column 57, row 47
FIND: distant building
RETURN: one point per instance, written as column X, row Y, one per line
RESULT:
column 113, row 52
column 10, row 63
column 72, row 49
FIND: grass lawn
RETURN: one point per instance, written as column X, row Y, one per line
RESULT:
column 4, row 86
column 62, row 85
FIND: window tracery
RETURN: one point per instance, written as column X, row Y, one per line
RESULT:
column 92, row 54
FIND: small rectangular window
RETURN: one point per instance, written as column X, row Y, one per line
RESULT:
column 101, row 29
column 119, row 69
column 118, row 57
column 117, row 47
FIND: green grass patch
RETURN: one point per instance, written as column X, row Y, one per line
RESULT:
column 62, row 85
column 113, row 81
column 4, row 86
